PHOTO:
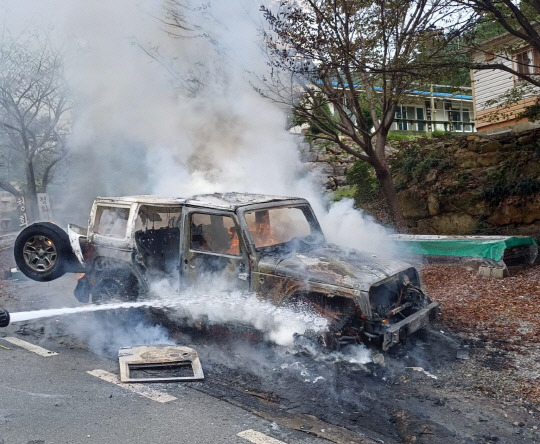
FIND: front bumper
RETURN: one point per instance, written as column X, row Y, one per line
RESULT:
column 402, row 329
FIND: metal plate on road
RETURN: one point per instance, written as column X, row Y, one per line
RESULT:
column 159, row 363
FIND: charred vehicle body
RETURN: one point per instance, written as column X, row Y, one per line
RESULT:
column 271, row 245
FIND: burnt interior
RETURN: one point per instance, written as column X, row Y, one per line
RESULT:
column 397, row 298
column 157, row 237
column 159, row 248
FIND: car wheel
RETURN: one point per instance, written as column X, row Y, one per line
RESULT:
column 42, row 251
column 114, row 287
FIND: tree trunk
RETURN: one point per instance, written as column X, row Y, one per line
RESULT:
column 31, row 193
column 390, row 196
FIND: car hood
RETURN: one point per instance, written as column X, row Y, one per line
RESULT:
column 333, row 265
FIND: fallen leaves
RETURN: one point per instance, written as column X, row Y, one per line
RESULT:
column 504, row 311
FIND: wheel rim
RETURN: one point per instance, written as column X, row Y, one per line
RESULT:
column 40, row 253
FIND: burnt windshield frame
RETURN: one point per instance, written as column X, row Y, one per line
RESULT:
column 315, row 228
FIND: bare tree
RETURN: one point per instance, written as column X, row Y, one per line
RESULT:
column 33, row 120
column 344, row 65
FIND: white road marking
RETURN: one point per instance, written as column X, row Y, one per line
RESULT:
column 258, row 437
column 140, row 389
column 30, row 347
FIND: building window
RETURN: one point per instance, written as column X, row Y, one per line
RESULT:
column 467, row 126
column 460, row 120
column 410, row 118
column 455, row 117
column 401, row 116
column 420, row 126
column 527, row 62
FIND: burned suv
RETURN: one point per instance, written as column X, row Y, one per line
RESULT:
column 270, row 245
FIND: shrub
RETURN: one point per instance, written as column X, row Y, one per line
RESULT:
column 362, row 177
column 498, row 191
column 438, row 133
column 344, row 193
column 416, row 164
column 525, row 187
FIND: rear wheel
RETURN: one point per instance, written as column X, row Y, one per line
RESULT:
column 42, row 251
column 116, row 286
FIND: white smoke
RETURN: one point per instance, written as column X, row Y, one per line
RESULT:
column 176, row 116
column 179, row 116
column 107, row 332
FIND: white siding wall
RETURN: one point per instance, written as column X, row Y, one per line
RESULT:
column 490, row 84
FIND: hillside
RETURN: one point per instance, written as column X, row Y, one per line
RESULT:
column 451, row 184
column 470, row 184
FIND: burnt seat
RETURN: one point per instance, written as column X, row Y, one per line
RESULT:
column 160, row 248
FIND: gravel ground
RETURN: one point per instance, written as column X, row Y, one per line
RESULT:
column 500, row 319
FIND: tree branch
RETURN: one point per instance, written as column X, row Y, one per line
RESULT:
column 9, row 188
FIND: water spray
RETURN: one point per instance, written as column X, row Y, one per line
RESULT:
column 280, row 324
column 6, row 317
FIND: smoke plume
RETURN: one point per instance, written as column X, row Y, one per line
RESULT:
column 170, row 111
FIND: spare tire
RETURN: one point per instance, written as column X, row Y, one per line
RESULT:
column 42, row 251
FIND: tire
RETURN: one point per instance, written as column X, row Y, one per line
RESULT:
column 4, row 318
column 114, row 287
column 42, row 251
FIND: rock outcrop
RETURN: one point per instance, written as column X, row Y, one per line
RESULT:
column 456, row 184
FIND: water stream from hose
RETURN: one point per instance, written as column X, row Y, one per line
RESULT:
column 52, row 312
column 280, row 324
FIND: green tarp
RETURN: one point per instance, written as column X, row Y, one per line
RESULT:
column 490, row 247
